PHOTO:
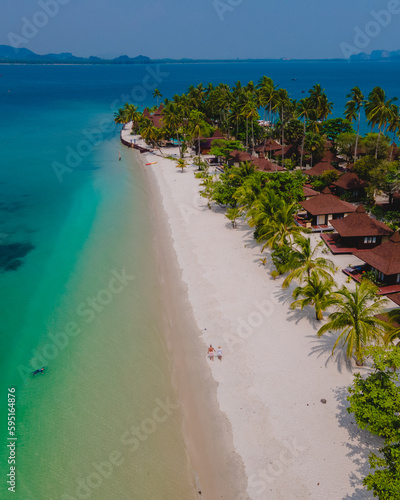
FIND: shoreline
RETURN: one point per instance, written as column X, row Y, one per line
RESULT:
column 206, row 430
column 275, row 370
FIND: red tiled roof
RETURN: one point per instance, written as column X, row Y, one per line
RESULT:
column 360, row 224
column 329, row 157
column 238, row 156
column 349, row 180
column 395, row 297
column 326, row 204
column 308, row 191
column 385, row 257
column 270, row 145
column 266, row 165
column 218, row 134
column 319, row 168
column 160, row 110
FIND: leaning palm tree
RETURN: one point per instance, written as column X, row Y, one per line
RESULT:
column 353, row 110
column 316, row 292
column 132, row 114
column 120, row 116
column 355, row 318
column 304, row 261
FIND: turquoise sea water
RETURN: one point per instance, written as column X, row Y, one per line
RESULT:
column 78, row 288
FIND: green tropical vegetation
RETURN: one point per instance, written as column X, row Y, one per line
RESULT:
column 294, row 134
column 375, row 403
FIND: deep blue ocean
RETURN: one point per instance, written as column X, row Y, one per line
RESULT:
column 72, row 218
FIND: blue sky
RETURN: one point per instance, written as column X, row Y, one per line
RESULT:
column 211, row 29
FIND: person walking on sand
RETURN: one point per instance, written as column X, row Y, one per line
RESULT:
column 219, row 353
column 211, row 352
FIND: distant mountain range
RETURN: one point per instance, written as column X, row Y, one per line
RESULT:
column 11, row 55
column 25, row 56
column 377, row 55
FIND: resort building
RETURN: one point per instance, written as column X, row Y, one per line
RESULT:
column 308, row 192
column 351, row 185
column 322, row 209
column 156, row 117
column 319, row 169
column 263, row 164
column 384, row 260
column 206, row 143
column 356, row 231
column 268, row 148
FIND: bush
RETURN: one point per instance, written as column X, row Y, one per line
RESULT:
column 281, row 257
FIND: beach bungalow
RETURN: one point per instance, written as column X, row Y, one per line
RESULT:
column 356, row 231
column 237, row 157
column 384, row 260
column 320, row 210
column 156, row 117
column 351, row 185
column 265, row 165
column 319, row 169
column 268, row 148
column 308, row 192
column 206, row 143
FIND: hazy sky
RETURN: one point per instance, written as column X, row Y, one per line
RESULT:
column 212, row 29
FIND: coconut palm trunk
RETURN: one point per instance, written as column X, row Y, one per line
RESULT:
column 358, row 134
column 302, row 144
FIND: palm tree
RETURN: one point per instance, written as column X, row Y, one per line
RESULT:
column 304, row 261
column 197, row 126
column 355, row 317
column 224, row 101
column 317, row 292
column 394, row 125
column 394, row 332
column 280, row 228
column 132, row 113
column 313, row 142
column 379, row 111
column 149, row 132
column 266, row 92
column 157, row 94
column 353, row 110
column 304, row 109
column 250, row 190
column 250, row 113
column 235, row 116
column 325, row 107
column 120, row 116
column 263, row 207
column 282, row 101
column 173, row 119
column 181, row 163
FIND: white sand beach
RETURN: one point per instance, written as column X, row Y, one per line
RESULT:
column 274, row 371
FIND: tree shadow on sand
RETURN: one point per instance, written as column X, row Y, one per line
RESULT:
column 360, row 444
